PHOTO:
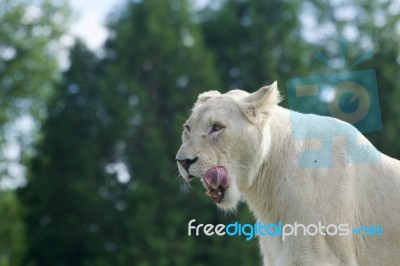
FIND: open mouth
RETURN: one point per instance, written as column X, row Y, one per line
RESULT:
column 216, row 182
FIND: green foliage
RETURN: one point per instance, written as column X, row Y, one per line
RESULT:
column 29, row 36
column 12, row 230
column 29, row 40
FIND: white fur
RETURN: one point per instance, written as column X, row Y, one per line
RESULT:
column 260, row 153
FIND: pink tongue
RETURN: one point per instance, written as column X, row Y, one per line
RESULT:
column 216, row 176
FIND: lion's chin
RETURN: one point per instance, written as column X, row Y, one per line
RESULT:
column 230, row 200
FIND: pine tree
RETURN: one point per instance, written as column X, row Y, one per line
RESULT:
column 71, row 200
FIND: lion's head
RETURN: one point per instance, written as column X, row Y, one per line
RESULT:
column 225, row 140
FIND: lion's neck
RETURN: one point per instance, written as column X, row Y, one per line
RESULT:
column 264, row 195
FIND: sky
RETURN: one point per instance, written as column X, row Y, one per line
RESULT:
column 91, row 17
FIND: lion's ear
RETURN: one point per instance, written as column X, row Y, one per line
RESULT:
column 258, row 105
column 205, row 96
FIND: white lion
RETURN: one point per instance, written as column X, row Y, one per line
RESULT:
column 244, row 145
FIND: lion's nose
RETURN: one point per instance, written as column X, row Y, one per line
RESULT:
column 186, row 163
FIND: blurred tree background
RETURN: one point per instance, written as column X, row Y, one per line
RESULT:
column 29, row 42
column 101, row 185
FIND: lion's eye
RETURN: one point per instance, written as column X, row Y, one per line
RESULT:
column 186, row 127
column 216, row 127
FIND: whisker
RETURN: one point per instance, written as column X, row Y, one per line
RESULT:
column 185, row 186
column 178, row 175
